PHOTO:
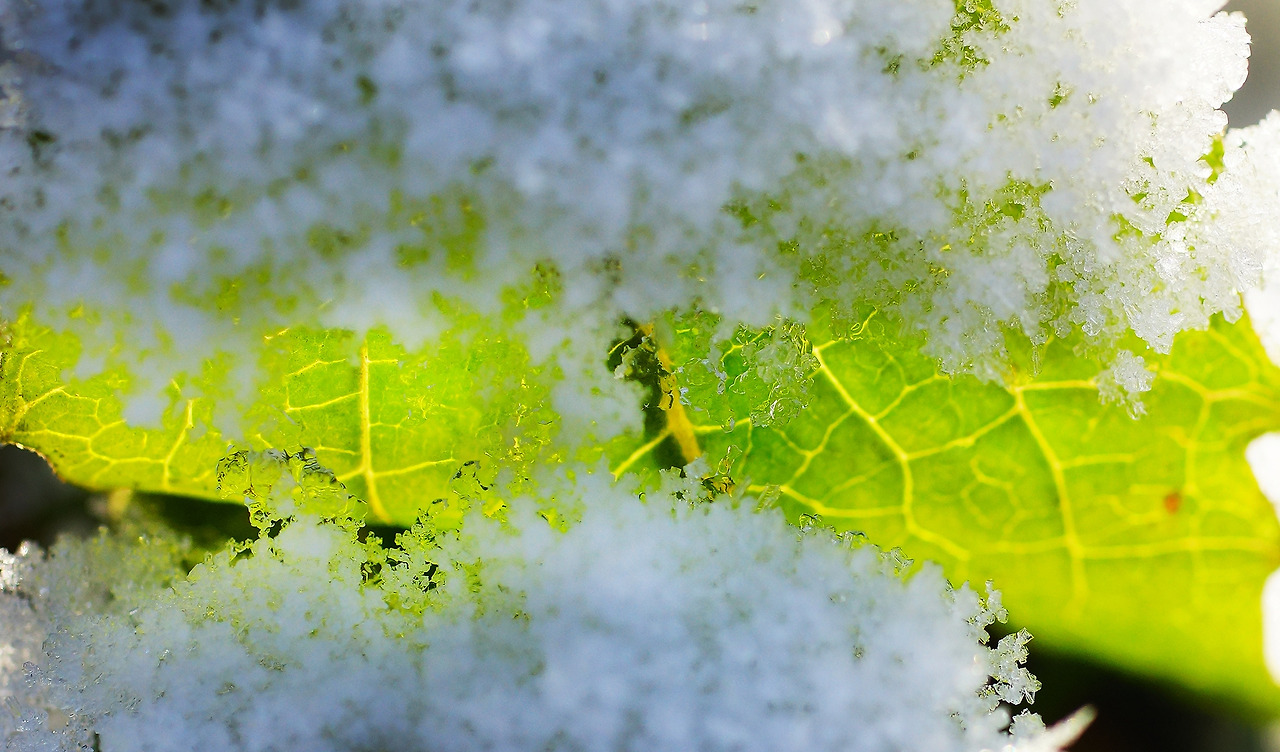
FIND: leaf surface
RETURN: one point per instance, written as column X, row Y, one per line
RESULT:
column 1141, row 542
column 396, row 427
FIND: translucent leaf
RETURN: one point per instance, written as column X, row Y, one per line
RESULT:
column 1141, row 542
column 395, row 426
column 1144, row 542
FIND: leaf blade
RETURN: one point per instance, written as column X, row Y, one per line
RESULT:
column 1141, row 542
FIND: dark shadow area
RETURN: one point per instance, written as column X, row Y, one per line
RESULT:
column 1134, row 715
column 210, row 524
column 34, row 504
column 644, row 366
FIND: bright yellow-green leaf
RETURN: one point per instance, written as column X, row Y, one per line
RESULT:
column 1142, row 542
column 395, row 426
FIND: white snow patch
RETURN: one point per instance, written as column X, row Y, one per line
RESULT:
column 672, row 623
column 347, row 164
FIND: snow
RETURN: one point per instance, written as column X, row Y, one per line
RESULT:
column 676, row 622
column 354, row 164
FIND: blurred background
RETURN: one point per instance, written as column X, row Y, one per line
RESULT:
column 1261, row 92
column 1134, row 715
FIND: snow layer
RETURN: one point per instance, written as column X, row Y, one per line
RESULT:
column 670, row 623
column 182, row 178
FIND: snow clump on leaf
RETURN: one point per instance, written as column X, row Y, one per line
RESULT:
column 675, row 622
column 183, row 179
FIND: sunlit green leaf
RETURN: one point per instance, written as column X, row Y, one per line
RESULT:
column 395, row 426
column 1141, row 542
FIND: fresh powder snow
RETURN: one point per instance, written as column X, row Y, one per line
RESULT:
column 676, row 622
column 183, row 179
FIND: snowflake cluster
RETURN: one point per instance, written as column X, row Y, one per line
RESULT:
column 676, row 622
column 182, row 178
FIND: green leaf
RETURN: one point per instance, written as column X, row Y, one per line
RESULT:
column 1140, row 542
column 396, row 427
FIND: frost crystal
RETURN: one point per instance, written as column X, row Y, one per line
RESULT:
column 187, row 176
column 675, row 622
column 1125, row 380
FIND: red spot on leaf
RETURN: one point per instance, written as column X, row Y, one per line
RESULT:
column 1173, row 502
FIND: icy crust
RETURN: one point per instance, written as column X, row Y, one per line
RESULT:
column 182, row 178
column 666, row 623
